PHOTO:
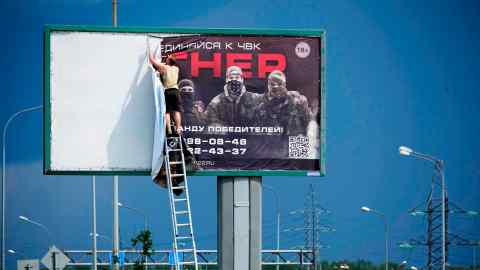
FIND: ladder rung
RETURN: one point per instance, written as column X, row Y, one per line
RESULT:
column 183, row 224
column 177, row 175
column 185, row 250
column 181, row 212
column 183, row 237
column 178, row 187
column 175, row 162
column 186, row 263
column 179, row 200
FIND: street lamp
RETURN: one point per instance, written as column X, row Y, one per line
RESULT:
column 405, row 151
column 107, row 238
column 405, row 245
column 102, row 236
column 402, row 265
column 277, row 201
column 418, row 213
column 138, row 211
column 4, row 176
column 366, row 209
column 439, row 167
column 11, row 251
column 26, row 219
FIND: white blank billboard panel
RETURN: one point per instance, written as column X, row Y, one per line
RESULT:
column 101, row 102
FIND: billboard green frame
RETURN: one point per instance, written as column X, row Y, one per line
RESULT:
column 48, row 29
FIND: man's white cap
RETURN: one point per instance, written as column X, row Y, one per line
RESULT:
column 234, row 70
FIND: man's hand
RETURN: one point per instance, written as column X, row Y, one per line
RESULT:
column 151, row 59
column 159, row 66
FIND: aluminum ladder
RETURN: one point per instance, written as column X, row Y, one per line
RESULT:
column 184, row 247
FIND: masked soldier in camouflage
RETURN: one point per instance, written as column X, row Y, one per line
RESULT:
column 192, row 109
column 280, row 107
column 234, row 106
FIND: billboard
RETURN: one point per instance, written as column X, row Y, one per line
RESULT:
column 99, row 116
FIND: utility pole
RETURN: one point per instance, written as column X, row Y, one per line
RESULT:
column 433, row 213
column 312, row 227
column 433, row 241
column 434, row 232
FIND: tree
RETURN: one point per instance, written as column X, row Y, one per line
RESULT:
column 144, row 240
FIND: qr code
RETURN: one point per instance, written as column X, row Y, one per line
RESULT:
column 298, row 147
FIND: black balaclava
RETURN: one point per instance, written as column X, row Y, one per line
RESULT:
column 187, row 94
column 234, row 81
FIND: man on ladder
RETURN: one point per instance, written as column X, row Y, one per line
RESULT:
column 174, row 168
column 170, row 73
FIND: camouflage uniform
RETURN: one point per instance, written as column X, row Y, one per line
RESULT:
column 235, row 106
column 225, row 110
column 197, row 115
column 281, row 108
column 293, row 114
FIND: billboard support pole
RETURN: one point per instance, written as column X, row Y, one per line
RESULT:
column 239, row 213
column 116, row 265
column 115, row 252
column 94, row 226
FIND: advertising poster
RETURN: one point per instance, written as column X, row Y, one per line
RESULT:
column 249, row 102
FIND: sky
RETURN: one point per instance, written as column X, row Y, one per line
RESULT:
column 397, row 73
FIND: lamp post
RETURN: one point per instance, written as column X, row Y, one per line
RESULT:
column 4, row 176
column 366, row 209
column 141, row 213
column 277, row 201
column 439, row 167
column 137, row 211
column 26, row 219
